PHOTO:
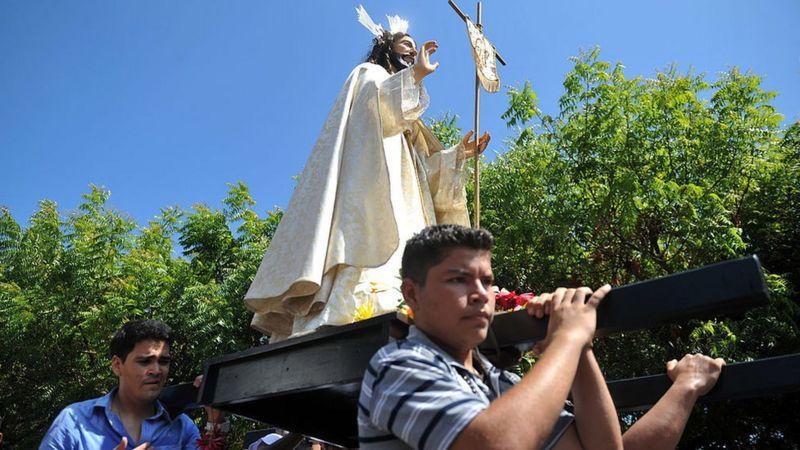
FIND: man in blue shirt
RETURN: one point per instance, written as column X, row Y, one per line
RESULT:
column 130, row 416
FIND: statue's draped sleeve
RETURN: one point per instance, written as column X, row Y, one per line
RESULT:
column 445, row 177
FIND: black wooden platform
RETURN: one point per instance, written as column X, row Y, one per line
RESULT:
column 330, row 413
column 310, row 384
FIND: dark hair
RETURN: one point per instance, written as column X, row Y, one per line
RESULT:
column 137, row 331
column 431, row 246
column 382, row 48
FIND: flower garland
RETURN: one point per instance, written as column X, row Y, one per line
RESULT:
column 504, row 300
column 511, row 301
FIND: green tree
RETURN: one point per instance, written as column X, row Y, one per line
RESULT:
column 637, row 178
column 68, row 282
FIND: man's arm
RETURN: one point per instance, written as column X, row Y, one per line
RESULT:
column 662, row 426
column 595, row 416
column 532, row 407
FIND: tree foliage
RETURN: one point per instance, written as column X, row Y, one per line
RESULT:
column 67, row 283
column 636, row 178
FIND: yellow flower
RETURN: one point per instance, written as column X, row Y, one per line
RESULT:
column 365, row 310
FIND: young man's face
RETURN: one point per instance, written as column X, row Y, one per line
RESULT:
column 144, row 371
column 456, row 304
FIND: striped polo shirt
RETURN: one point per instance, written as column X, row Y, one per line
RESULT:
column 415, row 395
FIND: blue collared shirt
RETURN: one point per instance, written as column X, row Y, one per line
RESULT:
column 91, row 425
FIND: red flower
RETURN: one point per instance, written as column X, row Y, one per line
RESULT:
column 505, row 300
column 523, row 299
column 212, row 441
column 509, row 301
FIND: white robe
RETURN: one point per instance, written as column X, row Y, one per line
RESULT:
column 362, row 194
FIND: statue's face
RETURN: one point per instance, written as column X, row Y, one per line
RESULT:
column 405, row 50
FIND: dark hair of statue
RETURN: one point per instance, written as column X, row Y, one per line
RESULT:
column 137, row 331
column 431, row 246
column 382, row 48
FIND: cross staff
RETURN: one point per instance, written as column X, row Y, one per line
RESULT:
column 476, row 173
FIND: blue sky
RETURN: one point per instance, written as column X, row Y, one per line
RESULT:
column 164, row 103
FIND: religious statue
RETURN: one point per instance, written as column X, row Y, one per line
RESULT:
column 376, row 176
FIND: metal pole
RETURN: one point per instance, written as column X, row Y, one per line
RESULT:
column 476, row 222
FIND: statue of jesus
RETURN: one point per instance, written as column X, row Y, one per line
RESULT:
column 376, row 176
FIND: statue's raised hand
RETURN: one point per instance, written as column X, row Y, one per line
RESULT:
column 424, row 66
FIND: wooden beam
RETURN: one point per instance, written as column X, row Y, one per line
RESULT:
column 179, row 398
column 336, row 355
column 762, row 377
column 722, row 289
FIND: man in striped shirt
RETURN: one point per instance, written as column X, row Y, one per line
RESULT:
column 433, row 390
